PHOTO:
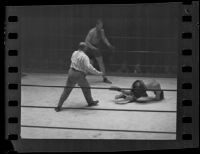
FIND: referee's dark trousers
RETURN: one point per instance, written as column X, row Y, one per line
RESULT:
column 74, row 77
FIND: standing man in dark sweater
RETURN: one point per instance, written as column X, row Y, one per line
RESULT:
column 93, row 39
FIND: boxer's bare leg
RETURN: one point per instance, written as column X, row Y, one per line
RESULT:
column 102, row 68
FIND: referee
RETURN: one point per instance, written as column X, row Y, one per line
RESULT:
column 80, row 66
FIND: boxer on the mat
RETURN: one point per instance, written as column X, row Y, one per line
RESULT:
column 138, row 89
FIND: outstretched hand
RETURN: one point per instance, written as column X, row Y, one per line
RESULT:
column 115, row 88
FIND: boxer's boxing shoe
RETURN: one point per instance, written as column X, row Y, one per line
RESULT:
column 107, row 81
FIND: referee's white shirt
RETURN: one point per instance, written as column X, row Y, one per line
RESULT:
column 81, row 62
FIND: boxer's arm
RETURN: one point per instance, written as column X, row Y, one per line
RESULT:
column 126, row 92
column 104, row 38
column 131, row 98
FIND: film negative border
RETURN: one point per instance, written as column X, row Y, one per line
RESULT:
column 187, row 78
column 196, row 76
column 13, row 75
column 187, row 119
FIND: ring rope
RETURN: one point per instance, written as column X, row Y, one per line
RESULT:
column 103, row 109
column 93, row 129
column 47, row 86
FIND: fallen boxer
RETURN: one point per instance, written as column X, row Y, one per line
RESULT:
column 138, row 89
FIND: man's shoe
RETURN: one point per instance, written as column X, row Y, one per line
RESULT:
column 94, row 103
column 107, row 81
column 57, row 109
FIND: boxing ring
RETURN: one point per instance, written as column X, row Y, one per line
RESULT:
column 108, row 120
column 146, row 41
